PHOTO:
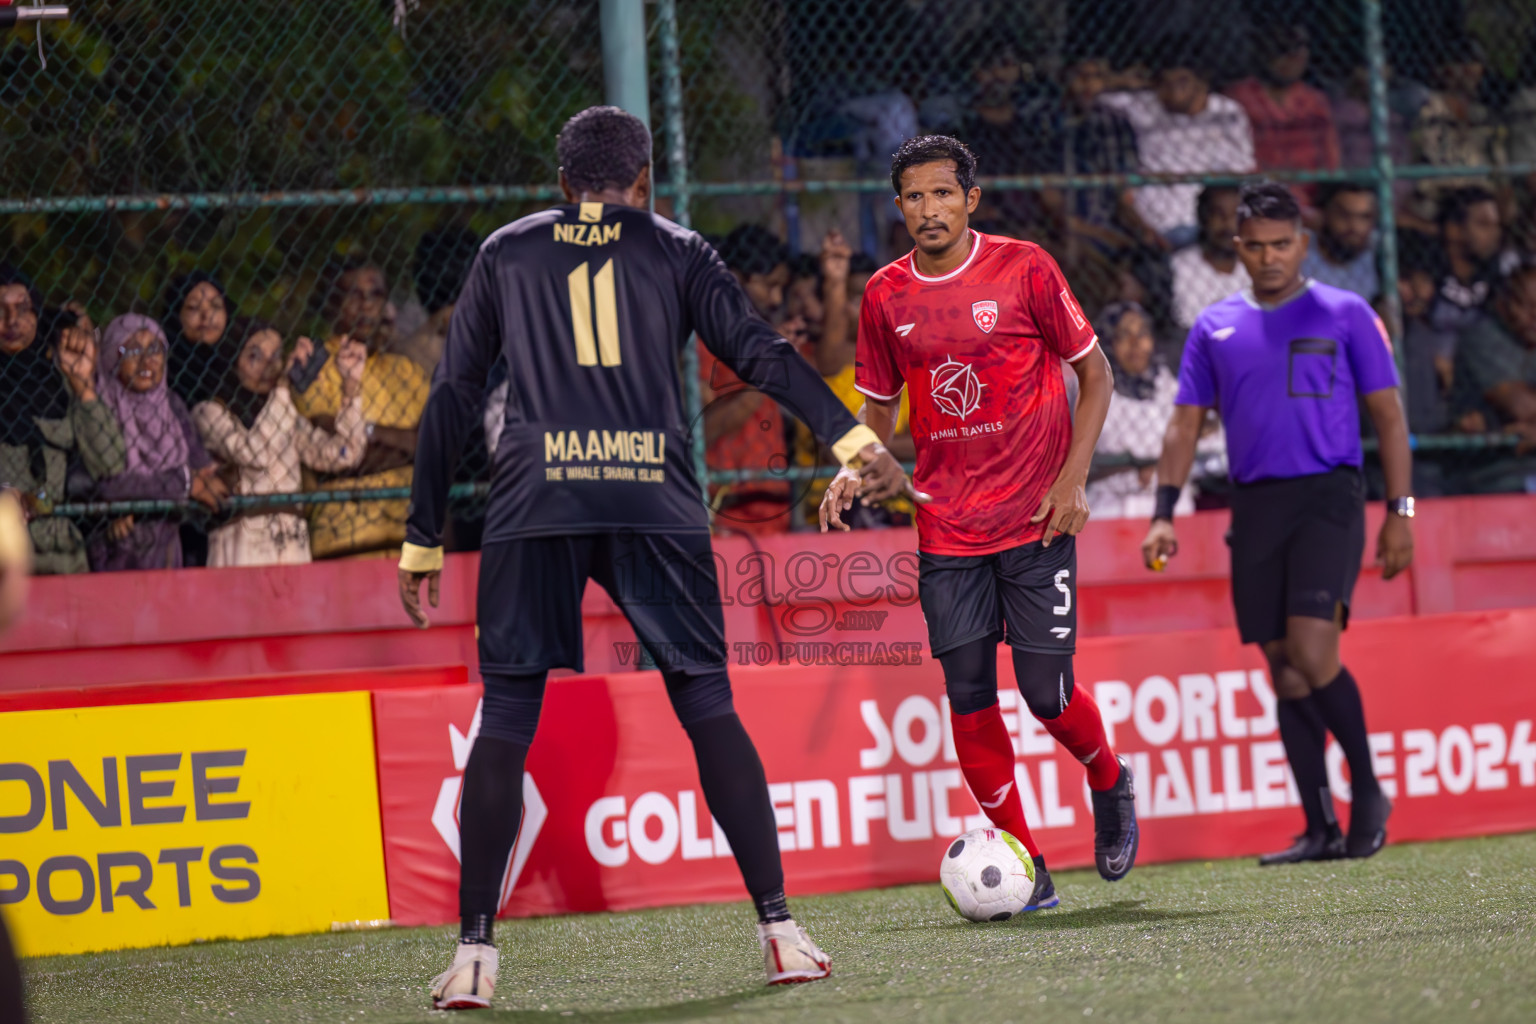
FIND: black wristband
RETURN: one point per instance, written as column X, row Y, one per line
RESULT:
column 1167, row 498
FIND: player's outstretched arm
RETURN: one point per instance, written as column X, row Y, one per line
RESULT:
column 1394, row 545
column 1173, row 468
column 723, row 316
column 453, row 409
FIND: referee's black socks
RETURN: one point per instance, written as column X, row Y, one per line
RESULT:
column 1304, row 735
column 1341, row 709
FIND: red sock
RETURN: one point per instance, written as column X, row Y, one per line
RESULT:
column 986, row 759
column 1080, row 729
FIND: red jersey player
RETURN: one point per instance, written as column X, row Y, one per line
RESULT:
column 975, row 328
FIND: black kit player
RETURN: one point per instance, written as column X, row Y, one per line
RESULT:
column 1287, row 362
column 591, row 304
column 975, row 328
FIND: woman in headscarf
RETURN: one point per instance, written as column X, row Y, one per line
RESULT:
column 1145, row 390
column 252, row 425
column 50, row 411
column 164, row 457
column 197, row 316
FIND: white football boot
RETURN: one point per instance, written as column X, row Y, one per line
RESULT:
column 789, row 954
column 470, row 982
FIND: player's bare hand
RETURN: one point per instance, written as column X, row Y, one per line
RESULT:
column 881, row 477
column 410, row 594
column 1161, row 544
column 839, row 499
column 1394, row 546
column 1064, row 509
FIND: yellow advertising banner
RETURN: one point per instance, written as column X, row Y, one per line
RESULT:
column 150, row 824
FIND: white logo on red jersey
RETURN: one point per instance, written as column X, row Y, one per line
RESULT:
column 955, row 388
column 1072, row 310
column 905, row 329
column 985, row 313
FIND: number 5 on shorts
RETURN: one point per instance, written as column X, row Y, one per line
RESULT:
column 1066, row 592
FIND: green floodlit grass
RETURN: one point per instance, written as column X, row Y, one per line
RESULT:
column 1441, row 931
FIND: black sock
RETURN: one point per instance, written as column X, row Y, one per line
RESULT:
column 1339, row 704
column 772, row 906
column 1303, row 733
column 1039, row 863
column 736, row 791
column 490, row 813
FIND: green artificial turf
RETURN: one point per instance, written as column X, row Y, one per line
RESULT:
column 1432, row 932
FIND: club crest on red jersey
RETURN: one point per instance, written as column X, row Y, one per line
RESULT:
column 985, row 313
column 955, row 387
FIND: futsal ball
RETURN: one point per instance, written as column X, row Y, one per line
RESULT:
column 987, row 875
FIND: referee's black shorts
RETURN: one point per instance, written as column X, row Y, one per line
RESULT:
column 1296, row 550
column 529, row 599
column 1026, row 595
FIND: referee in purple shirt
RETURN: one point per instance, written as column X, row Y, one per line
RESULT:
column 1283, row 362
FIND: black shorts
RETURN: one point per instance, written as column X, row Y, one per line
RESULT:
column 1026, row 595
column 529, row 602
column 1296, row 550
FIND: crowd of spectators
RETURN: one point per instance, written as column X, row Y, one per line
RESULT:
column 198, row 404
column 1151, row 257
column 203, row 404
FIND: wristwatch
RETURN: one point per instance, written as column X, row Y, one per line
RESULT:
column 1400, row 507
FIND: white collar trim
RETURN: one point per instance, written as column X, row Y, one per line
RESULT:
column 975, row 248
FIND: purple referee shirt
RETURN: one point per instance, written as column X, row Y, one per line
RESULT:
column 1285, row 378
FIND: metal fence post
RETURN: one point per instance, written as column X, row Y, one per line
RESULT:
column 677, row 163
column 624, row 78
column 1381, row 139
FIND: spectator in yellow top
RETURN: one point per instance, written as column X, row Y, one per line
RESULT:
column 394, row 392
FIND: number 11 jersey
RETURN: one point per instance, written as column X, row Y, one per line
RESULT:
column 590, row 305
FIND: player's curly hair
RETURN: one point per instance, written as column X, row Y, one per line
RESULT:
column 929, row 149
column 603, row 147
column 1267, row 200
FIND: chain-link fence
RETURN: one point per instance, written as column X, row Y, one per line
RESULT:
column 248, row 176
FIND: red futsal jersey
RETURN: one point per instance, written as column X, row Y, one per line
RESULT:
column 979, row 351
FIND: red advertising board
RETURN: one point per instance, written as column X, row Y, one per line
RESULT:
column 867, row 790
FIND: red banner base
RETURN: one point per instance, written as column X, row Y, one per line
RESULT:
column 867, row 790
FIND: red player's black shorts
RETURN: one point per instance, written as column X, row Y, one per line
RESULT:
column 529, row 599
column 1026, row 595
column 1297, row 544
